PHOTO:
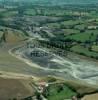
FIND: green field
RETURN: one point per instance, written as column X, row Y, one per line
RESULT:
column 60, row 92
column 80, row 27
column 82, row 37
column 30, row 12
column 72, row 22
column 6, row 14
column 54, row 25
column 84, row 51
column 70, row 31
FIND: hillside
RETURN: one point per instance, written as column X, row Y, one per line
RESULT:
column 11, row 36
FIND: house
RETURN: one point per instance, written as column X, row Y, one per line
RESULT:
column 42, row 86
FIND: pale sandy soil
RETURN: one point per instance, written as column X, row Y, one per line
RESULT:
column 90, row 97
column 8, row 63
column 8, row 75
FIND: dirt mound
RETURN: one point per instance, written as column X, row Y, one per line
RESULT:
column 12, row 36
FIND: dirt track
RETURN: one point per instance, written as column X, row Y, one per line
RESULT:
column 91, row 97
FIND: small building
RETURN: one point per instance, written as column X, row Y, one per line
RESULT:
column 42, row 86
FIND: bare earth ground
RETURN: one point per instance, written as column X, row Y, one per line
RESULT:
column 14, row 74
column 91, row 97
column 9, row 63
column 15, row 88
column 14, row 77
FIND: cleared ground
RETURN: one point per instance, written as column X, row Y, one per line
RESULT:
column 91, row 97
column 69, row 67
column 19, row 89
column 11, row 64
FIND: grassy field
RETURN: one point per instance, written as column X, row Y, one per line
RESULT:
column 46, row 12
column 85, row 36
column 53, row 25
column 70, row 31
column 80, row 27
column 71, row 22
column 14, row 36
column 2, row 9
column 56, row 94
column 84, row 51
column 30, row 12
column 11, row 35
column 54, row 12
column 6, row 14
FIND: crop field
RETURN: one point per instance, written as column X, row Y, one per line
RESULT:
column 70, row 31
column 59, row 92
column 18, row 88
column 95, row 48
column 84, row 51
column 43, row 41
column 30, row 12
column 80, row 27
column 2, row 9
column 8, row 13
column 82, row 37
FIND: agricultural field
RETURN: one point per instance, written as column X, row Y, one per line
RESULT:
column 39, row 40
column 30, row 12
column 82, row 37
column 59, row 92
column 84, row 51
column 19, row 89
column 95, row 48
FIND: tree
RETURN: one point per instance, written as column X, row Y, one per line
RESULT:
column 96, row 40
column 21, row 10
column 60, row 88
column 38, row 96
column 3, row 38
